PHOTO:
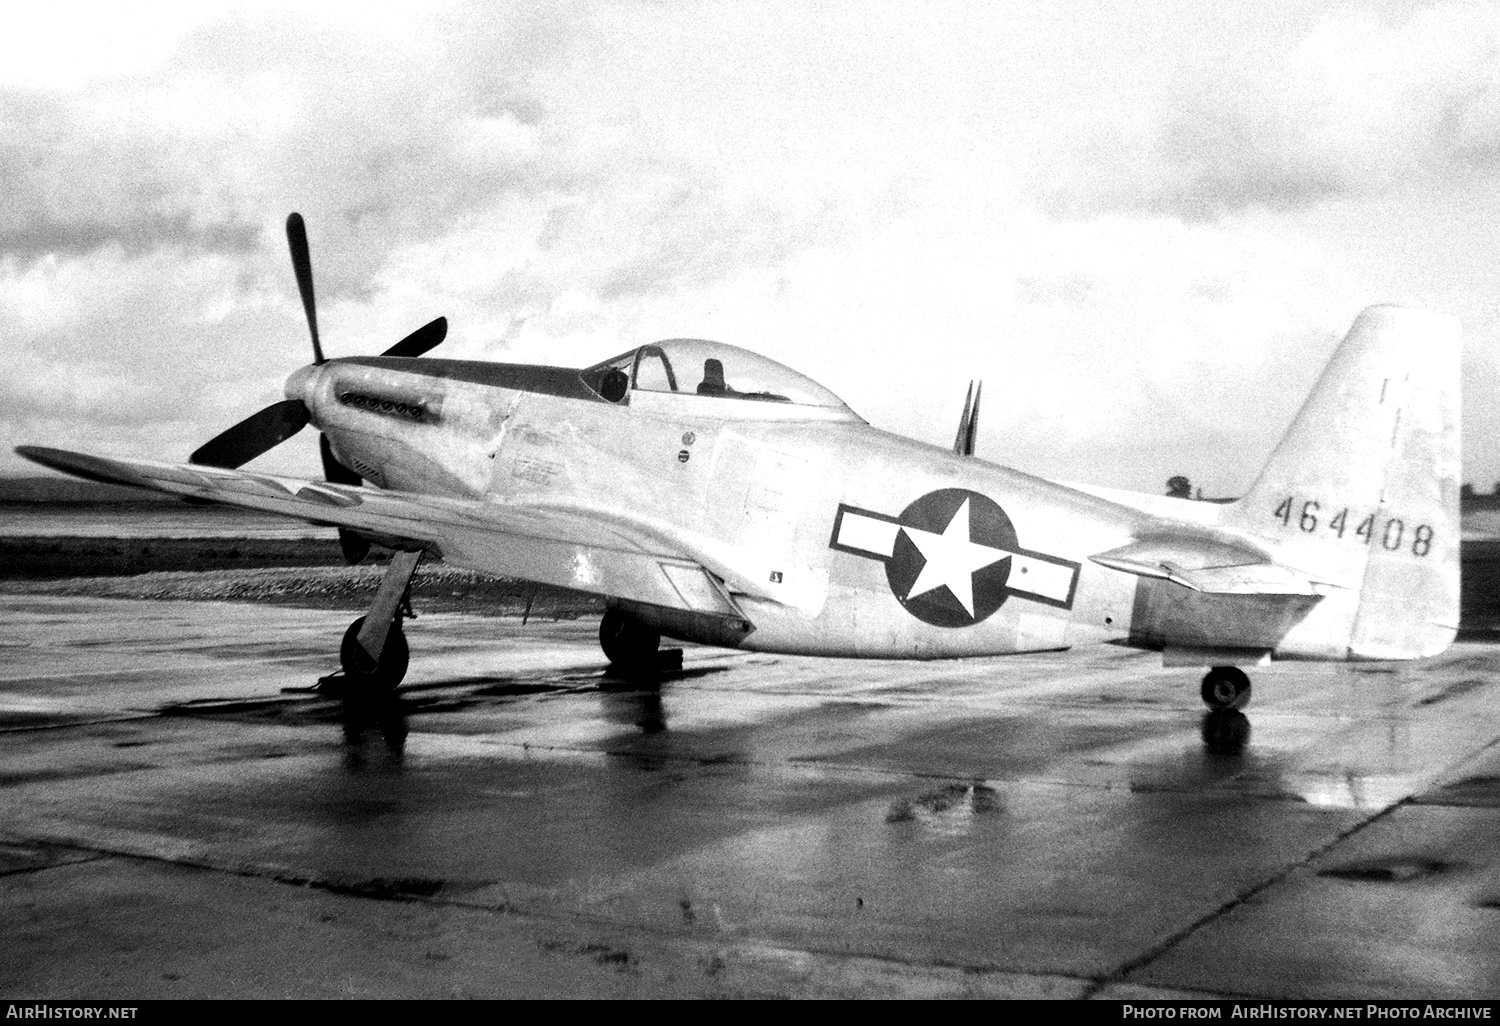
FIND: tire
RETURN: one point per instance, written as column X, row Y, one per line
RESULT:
column 1226, row 687
column 382, row 676
column 627, row 642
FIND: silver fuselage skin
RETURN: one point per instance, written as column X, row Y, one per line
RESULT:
column 794, row 496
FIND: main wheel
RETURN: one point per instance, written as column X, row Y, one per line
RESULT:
column 1226, row 687
column 626, row 641
column 364, row 672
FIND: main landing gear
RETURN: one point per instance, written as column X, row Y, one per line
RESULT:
column 634, row 649
column 374, row 653
column 629, row 644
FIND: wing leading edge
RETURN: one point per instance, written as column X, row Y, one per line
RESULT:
column 575, row 547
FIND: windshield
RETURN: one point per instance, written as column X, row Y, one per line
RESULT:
column 611, row 379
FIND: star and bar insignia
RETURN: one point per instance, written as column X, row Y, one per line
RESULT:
column 952, row 558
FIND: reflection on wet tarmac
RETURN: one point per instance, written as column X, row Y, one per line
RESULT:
column 642, row 709
column 1225, row 731
column 383, row 714
column 1351, row 790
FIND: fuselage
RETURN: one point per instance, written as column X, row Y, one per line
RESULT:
column 833, row 537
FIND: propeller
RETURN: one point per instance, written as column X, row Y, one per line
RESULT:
column 262, row 431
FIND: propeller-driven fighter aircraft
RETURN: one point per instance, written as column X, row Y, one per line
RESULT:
column 715, row 496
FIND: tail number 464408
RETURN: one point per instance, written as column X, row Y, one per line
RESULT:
column 1392, row 533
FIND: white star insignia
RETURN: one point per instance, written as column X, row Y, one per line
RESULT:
column 951, row 559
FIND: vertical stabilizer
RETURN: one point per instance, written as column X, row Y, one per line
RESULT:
column 1362, row 492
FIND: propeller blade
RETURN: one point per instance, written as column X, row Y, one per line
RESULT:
column 421, row 340
column 254, row 435
column 296, row 237
column 355, row 546
column 333, row 470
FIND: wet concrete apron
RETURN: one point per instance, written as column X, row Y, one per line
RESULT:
column 520, row 823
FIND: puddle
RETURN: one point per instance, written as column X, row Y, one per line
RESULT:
column 381, row 888
column 948, row 810
column 1394, row 869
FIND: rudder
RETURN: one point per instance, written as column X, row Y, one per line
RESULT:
column 1361, row 493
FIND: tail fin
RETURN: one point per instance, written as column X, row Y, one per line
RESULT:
column 968, row 423
column 1362, row 492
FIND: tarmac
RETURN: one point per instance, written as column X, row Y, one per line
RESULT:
column 519, row 822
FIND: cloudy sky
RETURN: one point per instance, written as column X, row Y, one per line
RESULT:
column 1144, row 225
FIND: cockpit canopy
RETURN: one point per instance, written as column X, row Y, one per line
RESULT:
column 690, row 366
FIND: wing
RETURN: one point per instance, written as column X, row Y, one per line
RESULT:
column 571, row 545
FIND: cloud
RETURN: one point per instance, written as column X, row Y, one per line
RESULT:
column 1360, row 105
column 846, row 191
column 74, row 179
column 142, row 264
column 382, row 136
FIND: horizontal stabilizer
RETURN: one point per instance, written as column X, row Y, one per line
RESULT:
column 1208, row 565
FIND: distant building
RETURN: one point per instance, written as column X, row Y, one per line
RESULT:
column 1469, row 499
column 1179, row 487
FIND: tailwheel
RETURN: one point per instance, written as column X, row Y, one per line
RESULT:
column 1226, row 687
column 364, row 672
column 627, row 642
